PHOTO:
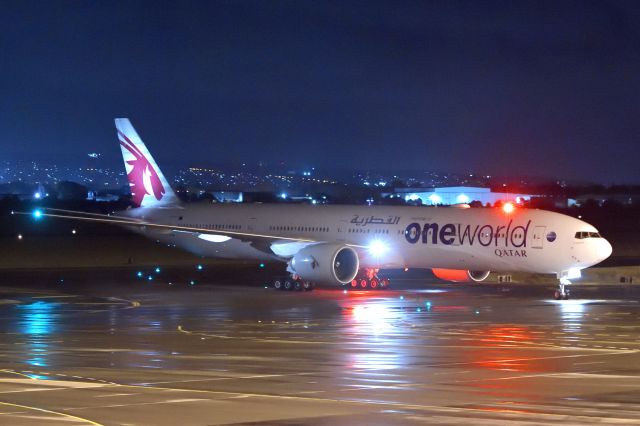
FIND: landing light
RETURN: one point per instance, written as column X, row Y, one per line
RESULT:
column 377, row 248
column 508, row 208
column 214, row 238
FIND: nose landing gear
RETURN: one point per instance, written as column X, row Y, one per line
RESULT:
column 562, row 293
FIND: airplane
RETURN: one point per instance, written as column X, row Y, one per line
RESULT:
column 343, row 245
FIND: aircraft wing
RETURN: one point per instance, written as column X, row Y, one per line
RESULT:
column 272, row 244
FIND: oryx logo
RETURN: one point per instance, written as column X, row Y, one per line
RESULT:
column 143, row 178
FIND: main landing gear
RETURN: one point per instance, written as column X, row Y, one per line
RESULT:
column 562, row 293
column 368, row 280
column 293, row 283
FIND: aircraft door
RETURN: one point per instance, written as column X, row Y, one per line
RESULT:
column 538, row 237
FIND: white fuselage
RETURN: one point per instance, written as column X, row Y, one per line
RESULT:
column 484, row 239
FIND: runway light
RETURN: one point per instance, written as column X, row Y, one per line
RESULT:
column 20, row 236
column 192, row 282
column 401, row 297
column 37, row 213
column 344, row 291
column 73, row 231
column 508, row 208
column 139, row 274
column 199, row 267
column 157, row 270
column 150, row 278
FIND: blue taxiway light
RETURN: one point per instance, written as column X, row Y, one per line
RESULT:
column 192, row 282
column 157, row 270
column 262, row 265
column 150, row 278
column 37, row 213
column 199, row 267
column 139, row 274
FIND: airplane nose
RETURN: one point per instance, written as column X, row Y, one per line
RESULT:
column 604, row 249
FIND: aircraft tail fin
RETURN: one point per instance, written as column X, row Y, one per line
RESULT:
column 149, row 187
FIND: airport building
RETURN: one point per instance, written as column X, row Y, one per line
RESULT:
column 455, row 195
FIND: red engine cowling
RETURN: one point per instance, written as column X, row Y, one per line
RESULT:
column 460, row 275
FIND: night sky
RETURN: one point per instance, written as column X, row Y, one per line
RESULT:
column 526, row 88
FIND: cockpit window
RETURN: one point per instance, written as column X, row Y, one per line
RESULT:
column 583, row 235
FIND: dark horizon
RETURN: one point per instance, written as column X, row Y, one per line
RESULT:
column 500, row 88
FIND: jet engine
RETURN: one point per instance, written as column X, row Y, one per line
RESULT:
column 326, row 263
column 460, row 275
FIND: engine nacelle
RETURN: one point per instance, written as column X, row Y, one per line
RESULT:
column 460, row 275
column 326, row 263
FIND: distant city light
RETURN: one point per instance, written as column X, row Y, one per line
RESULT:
column 462, row 198
column 19, row 236
column 435, row 199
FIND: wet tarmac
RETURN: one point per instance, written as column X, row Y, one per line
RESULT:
column 118, row 352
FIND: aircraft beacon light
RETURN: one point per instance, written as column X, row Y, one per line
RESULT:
column 508, row 208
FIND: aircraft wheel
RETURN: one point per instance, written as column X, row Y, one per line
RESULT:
column 354, row 283
column 277, row 284
column 307, row 285
column 374, row 284
column 297, row 286
column 557, row 295
column 288, row 285
column 364, row 283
